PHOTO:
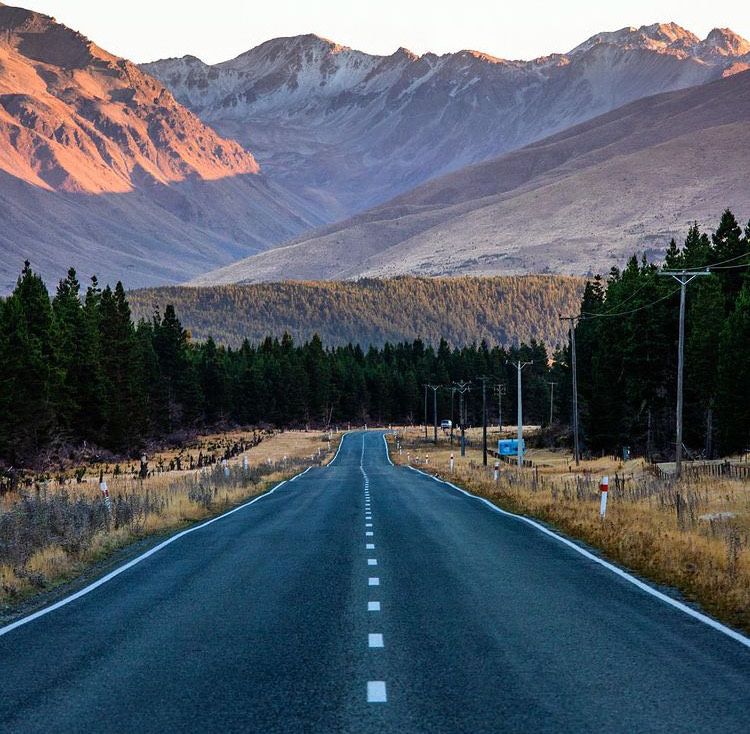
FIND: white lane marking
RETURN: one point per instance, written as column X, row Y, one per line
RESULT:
column 370, row 546
column 387, row 455
column 373, row 581
column 375, row 639
column 294, row 479
column 376, row 691
column 368, row 532
column 368, row 524
column 113, row 574
column 373, row 606
column 718, row 626
column 372, row 561
column 336, row 455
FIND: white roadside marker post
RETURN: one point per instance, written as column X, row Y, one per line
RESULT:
column 105, row 493
column 497, row 470
column 452, row 463
column 604, row 490
column 245, row 464
column 426, row 459
column 225, row 464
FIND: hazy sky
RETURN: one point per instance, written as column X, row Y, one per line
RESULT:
column 215, row 30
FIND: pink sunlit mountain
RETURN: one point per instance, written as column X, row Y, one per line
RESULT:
column 132, row 183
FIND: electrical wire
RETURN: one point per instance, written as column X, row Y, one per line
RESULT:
column 632, row 295
column 585, row 316
column 721, row 262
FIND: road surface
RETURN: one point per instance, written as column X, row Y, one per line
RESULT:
column 363, row 597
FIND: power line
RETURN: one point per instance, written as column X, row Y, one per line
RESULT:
column 721, row 262
column 586, row 315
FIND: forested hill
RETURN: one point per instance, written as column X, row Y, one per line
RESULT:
column 501, row 309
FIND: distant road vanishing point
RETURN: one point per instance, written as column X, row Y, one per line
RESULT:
column 363, row 597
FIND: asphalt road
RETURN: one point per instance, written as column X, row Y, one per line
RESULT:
column 287, row 616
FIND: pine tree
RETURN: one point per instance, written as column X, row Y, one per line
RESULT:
column 733, row 409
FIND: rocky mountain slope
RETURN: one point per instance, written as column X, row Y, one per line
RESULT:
column 101, row 168
column 577, row 202
column 346, row 130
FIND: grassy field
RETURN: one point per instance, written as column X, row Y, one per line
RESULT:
column 692, row 535
column 52, row 531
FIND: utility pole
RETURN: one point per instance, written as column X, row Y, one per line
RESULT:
column 425, row 412
column 484, row 419
column 683, row 277
column 572, row 320
column 461, row 388
column 434, row 389
column 500, row 393
column 519, row 366
column 551, row 399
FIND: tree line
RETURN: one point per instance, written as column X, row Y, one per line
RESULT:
column 627, row 350
column 76, row 367
column 462, row 310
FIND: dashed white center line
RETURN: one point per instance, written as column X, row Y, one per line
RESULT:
column 373, row 606
column 373, row 581
column 372, row 561
column 370, row 546
column 368, row 524
column 369, row 532
column 376, row 691
column 375, row 639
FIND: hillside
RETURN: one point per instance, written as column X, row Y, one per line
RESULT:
column 501, row 310
column 132, row 184
column 576, row 202
column 346, row 130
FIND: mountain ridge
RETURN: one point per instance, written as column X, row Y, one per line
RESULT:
column 133, row 184
column 576, row 202
column 347, row 130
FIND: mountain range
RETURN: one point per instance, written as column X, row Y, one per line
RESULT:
column 101, row 168
column 346, row 130
column 320, row 161
column 577, row 202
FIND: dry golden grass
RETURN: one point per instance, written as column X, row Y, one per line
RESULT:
column 166, row 501
column 672, row 533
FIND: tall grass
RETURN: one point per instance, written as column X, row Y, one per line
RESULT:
column 49, row 534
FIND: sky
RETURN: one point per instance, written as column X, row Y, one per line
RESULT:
column 216, row 30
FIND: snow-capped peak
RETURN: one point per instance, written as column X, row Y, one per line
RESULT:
column 656, row 37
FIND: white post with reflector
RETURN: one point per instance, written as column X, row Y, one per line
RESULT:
column 105, row 495
column 245, row 464
column 604, row 491
column 497, row 470
column 452, row 463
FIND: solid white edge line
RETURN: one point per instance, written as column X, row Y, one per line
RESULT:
column 718, row 626
column 387, row 455
column 121, row 569
column 341, row 443
column 296, row 477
